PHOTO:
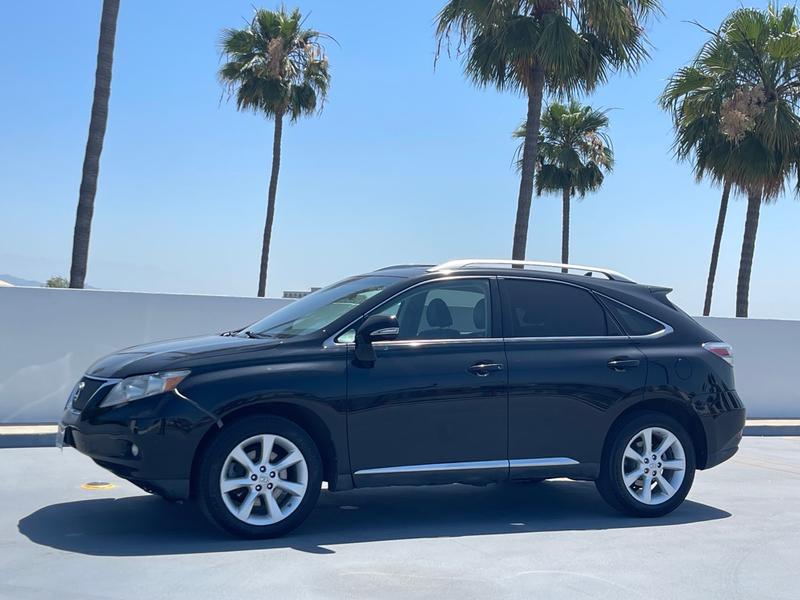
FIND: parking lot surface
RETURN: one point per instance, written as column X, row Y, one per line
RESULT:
column 738, row 536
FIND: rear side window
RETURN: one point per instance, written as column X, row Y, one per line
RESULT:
column 544, row 309
column 634, row 322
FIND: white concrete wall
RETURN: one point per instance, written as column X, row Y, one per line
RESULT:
column 49, row 336
column 766, row 354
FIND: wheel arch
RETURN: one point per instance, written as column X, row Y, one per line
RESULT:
column 676, row 409
column 299, row 415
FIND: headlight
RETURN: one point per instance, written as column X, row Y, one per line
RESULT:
column 142, row 386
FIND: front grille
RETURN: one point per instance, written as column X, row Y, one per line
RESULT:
column 90, row 386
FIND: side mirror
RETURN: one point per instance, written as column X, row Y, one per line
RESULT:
column 377, row 328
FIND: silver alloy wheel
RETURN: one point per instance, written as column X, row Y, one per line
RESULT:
column 653, row 465
column 263, row 479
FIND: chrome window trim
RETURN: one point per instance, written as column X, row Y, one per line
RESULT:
column 557, row 461
column 442, row 342
column 331, row 340
column 574, row 338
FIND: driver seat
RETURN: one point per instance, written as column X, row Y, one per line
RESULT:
column 440, row 320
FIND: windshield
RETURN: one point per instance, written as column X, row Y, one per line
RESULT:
column 319, row 309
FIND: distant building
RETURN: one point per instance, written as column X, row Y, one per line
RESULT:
column 295, row 295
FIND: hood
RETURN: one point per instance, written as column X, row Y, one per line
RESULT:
column 160, row 356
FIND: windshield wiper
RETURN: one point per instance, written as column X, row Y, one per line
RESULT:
column 257, row 336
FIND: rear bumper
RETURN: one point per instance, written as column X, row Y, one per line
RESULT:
column 154, row 453
column 723, row 434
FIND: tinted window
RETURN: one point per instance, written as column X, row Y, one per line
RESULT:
column 442, row 310
column 634, row 322
column 544, row 309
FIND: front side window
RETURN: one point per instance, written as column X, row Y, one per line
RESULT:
column 451, row 310
column 318, row 310
column 543, row 309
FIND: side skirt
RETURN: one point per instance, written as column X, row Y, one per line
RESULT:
column 474, row 472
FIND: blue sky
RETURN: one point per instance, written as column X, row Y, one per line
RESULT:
column 406, row 163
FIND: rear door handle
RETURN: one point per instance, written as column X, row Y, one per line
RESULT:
column 622, row 364
column 482, row 369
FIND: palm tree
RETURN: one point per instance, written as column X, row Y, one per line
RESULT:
column 94, row 144
column 692, row 128
column 533, row 46
column 574, row 150
column 277, row 68
column 712, row 267
column 735, row 113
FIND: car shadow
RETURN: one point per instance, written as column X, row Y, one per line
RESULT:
column 147, row 525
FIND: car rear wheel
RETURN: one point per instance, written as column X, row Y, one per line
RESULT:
column 649, row 466
column 259, row 477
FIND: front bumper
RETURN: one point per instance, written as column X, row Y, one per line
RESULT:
column 150, row 442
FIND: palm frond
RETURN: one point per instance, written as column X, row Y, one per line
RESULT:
column 576, row 43
column 735, row 107
column 275, row 66
column 574, row 148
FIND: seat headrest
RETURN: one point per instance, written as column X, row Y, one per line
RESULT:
column 479, row 314
column 438, row 314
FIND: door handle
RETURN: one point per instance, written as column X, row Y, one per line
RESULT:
column 622, row 364
column 482, row 369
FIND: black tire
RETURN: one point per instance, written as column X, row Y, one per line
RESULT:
column 611, row 485
column 209, row 495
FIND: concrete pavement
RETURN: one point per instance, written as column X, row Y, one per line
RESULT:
column 738, row 536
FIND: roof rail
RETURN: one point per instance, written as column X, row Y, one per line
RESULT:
column 462, row 263
column 403, row 266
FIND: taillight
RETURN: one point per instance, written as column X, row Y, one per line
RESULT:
column 721, row 349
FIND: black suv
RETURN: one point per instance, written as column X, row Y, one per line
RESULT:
column 473, row 371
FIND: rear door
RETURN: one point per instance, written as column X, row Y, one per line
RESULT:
column 568, row 364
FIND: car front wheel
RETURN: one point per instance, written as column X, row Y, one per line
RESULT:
column 649, row 466
column 259, row 477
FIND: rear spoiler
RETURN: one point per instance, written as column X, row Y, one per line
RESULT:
column 660, row 294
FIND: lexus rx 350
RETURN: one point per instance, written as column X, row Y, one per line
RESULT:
column 472, row 371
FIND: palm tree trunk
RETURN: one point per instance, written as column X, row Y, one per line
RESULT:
column 94, row 144
column 712, row 269
column 748, row 249
column 565, row 227
column 273, row 189
column 530, row 151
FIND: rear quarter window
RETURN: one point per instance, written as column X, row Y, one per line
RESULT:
column 632, row 321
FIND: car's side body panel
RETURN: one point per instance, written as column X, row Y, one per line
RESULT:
column 300, row 375
column 562, row 400
column 419, row 405
column 169, row 428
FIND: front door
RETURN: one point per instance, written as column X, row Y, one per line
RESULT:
column 433, row 406
column 568, row 364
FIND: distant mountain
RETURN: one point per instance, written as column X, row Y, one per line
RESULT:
column 19, row 281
